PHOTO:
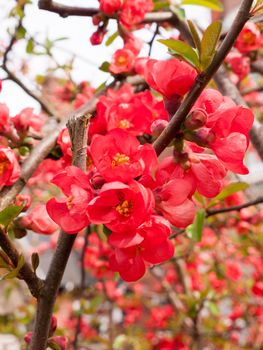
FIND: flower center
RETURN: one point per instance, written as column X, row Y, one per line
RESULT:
column 69, row 202
column 124, row 208
column 120, row 159
column 121, row 61
column 248, row 38
column 3, row 165
column 124, row 124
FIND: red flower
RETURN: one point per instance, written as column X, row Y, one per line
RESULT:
column 227, row 129
column 203, row 171
column 39, row 221
column 133, row 11
column 150, row 243
column 27, row 119
column 171, row 78
column 70, row 213
column 118, row 156
column 110, row 6
column 239, row 64
column 249, row 38
column 257, row 288
column 4, row 119
column 122, row 61
column 119, row 206
column 125, row 110
column 9, row 167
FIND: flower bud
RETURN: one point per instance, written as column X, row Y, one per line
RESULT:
column 172, row 104
column 158, row 126
column 28, row 337
column 53, row 324
column 97, row 37
column 196, row 119
column 97, row 181
column 24, row 200
column 202, row 137
column 59, row 341
column 96, row 19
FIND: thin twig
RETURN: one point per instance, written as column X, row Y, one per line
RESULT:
column 26, row 272
column 210, row 212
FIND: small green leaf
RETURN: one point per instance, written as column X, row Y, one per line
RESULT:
column 179, row 12
column 215, row 5
column 15, row 272
column 21, row 32
column 209, row 43
column 105, row 66
column 160, row 5
column 228, row 191
column 213, row 308
column 30, row 46
column 195, row 35
column 196, row 229
column 183, row 50
column 112, row 38
column 101, row 87
column 9, row 214
column 52, row 345
column 35, row 261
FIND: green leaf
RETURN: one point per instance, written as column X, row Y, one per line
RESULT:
column 9, row 214
column 215, row 5
column 15, row 272
column 213, row 308
column 160, row 5
column 112, row 38
column 30, row 46
column 183, row 50
column 195, row 35
column 53, row 345
column 228, row 191
column 196, row 229
column 21, row 32
column 35, row 261
column 179, row 12
column 101, row 87
column 105, row 66
column 209, row 43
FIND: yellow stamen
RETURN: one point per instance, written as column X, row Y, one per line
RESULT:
column 124, row 124
column 124, row 208
column 120, row 159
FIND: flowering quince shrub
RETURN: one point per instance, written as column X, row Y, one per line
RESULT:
column 169, row 246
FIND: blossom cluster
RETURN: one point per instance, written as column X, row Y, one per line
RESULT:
column 15, row 139
column 125, row 188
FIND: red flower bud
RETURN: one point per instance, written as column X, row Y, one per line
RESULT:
column 60, row 341
column 24, row 200
column 97, row 37
column 196, row 119
column 158, row 126
column 28, row 337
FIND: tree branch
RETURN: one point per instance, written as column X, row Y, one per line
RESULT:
column 26, row 272
column 11, row 76
column 202, row 79
column 151, row 17
column 210, row 212
column 78, row 130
